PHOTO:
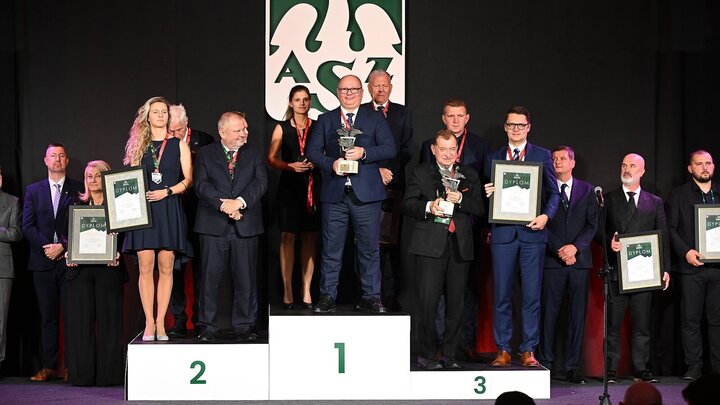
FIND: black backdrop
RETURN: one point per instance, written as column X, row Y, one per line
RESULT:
column 606, row 78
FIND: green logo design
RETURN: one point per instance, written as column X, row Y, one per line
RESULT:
column 712, row 222
column 521, row 180
column 639, row 249
column 89, row 223
column 129, row 186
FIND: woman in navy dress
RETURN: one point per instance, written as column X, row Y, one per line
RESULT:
column 297, row 191
column 164, row 159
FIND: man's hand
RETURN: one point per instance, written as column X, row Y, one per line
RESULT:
column 693, row 257
column 235, row 216
column 489, row 189
column 435, row 208
column 53, row 251
column 538, row 223
column 230, row 205
column 355, row 153
column 567, row 252
column 453, row 196
column 666, row 279
column 387, row 175
column 615, row 244
column 335, row 168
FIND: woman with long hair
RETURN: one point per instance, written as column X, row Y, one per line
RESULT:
column 168, row 169
column 296, row 196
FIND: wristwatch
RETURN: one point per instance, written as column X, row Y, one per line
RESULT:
column 169, row 191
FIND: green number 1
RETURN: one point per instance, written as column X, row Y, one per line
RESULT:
column 196, row 379
column 341, row 357
column 480, row 384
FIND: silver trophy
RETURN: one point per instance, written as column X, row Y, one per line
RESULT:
column 347, row 142
column 451, row 182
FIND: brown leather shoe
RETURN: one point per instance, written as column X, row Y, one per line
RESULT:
column 502, row 359
column 43, row 375
column 528, row 360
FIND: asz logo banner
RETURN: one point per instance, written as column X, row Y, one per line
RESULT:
column 315, row 43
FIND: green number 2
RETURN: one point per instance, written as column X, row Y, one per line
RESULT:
column 480, row 384
column 196, row 379
column 341, row 357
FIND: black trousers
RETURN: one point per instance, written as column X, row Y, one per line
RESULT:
column 435, row 276
column 95, row 326
column 701, row 294
column 51, row 292
column 640, row 304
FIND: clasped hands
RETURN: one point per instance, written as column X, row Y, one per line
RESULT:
column 450, row 196
column 232, row 208
column 301, row 167
column 53, row 251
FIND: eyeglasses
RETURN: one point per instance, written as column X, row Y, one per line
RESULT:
column 349, row 90
column 510, row 125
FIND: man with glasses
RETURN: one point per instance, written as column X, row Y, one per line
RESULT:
column 9, row 232
column 355, row 198
column 520, row 244
column 195, row 140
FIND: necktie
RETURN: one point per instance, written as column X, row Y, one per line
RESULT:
column 55, row 203
column 231, row 163
column 382, row 110
column 631, row 203
column 516, row 154
column 349, row 117
column 563, row 196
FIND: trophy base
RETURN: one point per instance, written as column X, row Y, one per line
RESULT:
column 347, row 166
column 447, row 207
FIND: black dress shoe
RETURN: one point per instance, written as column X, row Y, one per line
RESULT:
column 646, row 376
column 207, row 336
column 177, row 331
column 693, row 373
column 372, row 304
column 451, row 363
column 611, row 377
column 325, row 305
column 575, row 376
column 432, row 365
column 246, row 337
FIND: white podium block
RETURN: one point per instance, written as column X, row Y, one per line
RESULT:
column 338, row 356
column 479, row 384
column 202, row 371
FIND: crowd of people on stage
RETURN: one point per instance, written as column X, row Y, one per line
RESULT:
column 206, row 199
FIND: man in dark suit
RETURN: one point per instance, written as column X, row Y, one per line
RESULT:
column 442, row 242
column 568, row 258
column 520, row 244
column 195, row 139
column 472, row 151
column 700, row 281
column 392, row 172
column 45, row 225
column 230, row 180
column 630, row 209
column 9, row 232
column 354, row 197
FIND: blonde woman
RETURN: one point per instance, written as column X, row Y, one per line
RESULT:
column 166, row 161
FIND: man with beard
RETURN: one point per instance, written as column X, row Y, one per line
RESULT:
column 700, row 281
column 631, row 210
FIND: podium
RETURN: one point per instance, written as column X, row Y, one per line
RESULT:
column 345, row 355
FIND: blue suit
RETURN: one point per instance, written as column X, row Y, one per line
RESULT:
column 518, row 244
column 359, row 203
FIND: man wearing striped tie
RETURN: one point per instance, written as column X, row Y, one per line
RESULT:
column 45, row 225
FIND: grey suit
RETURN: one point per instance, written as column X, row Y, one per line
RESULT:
column 9, row 232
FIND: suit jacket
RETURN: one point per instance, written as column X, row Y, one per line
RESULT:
column 323, row 149
column 649, row 216
column 212, row 182
column 575, row 225
column 9, row 232
column 399, row 119
column 475, row 153
column 38, row 223
column 502, row 233
column 198, row 139
column 680, row 210
column 428, row 238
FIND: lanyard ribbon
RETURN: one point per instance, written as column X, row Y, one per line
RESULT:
column 521, row 156
column 156, row 158
column 302, row 138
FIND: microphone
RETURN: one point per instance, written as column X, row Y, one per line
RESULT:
column 599, row 196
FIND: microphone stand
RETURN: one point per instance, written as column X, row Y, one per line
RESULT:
column 607, row 298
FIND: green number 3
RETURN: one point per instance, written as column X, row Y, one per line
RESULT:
column 480, row 384
column 196, row 379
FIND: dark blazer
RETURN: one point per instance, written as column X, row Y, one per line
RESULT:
column 198, row 139
column 502, row 233
column 38, row 223
column 400, row 120
column 575, row 225
column 475, row 152
column 428, row 237
column 211, row 181
column 9, row 232
column 323, row 149
column 649, row 216
column 680, row 210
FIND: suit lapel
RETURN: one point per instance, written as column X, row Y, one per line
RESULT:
column 222, row 160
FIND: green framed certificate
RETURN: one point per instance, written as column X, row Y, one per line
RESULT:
column 125, row 203
column 640, row 262
column 517, row 196
column 89, row 241
column 707, row 232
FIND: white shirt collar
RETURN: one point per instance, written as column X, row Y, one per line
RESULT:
column 61, row 182
column 627, row 190
column 521, row 147
column 569, row 184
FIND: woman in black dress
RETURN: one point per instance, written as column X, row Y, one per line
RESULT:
column 164, row 159
column 297, row 190
column 94, row 311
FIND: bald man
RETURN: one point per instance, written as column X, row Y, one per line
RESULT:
column 642, row 393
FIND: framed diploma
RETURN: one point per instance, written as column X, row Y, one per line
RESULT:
column 707, row 232
column 89, row 241
column 125, row 203
column 518, row 187
column 640, row 262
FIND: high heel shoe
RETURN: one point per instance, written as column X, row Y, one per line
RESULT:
column 288, row 306
column 162, row 338
column 149, row 338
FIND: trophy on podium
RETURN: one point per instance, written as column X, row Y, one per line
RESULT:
column 347, row 142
